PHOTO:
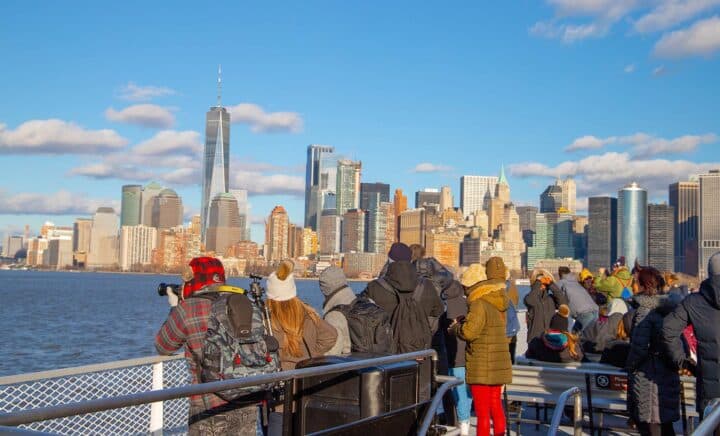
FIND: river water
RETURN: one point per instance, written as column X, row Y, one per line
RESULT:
column 51, row 320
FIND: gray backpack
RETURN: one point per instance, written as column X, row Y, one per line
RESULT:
column 237, row 345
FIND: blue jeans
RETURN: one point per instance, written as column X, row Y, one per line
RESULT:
column 585, row 319
column 463, row 399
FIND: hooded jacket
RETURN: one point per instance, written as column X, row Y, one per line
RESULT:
column 702, row 311
column 613, row 286
column 541, row 304
column 579, row 300
column 553, row 346
column 456, row 307
column 596, row 336
column 333, row 285
column 487, row 360
column 402, row 276
column 653, row 383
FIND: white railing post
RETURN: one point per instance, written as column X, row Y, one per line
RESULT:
column 156, row 409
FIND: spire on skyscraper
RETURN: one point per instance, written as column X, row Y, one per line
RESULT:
column 502, row 180
column 219, row 86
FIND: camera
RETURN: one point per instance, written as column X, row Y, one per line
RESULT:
column 162, row 289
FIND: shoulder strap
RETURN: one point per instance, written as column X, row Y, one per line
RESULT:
column 231, row 289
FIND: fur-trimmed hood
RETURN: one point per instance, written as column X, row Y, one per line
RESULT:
column 492, row 291
column 538, row 272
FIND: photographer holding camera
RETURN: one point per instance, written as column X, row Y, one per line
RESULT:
column 210, row 319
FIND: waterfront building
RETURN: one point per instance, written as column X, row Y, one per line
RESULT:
column 391, row 233
column 709, row 232
column 412, row 227
column 195, row 225
column 277, row 234
column 35, row 249
column 149, row 194
column 661, row 236
column 475, row 191
column 329, row 233
column 223, row 228
column 309, row 242
column 446, row 198
column 685, row 198
column 294, row 239
column 363, row 265
column 241, row 196
column 244, row 250
column 553, row 238
column 81, row 240
column 427, row 198
column 176, row 247
column 602, row 232
column 353, row 231
column 216, row 159
column 103, row 252
column 136, row 246
column 167, row 210
column 376, row 224
column 347, row 194
column 551, row 198
column 443, row 243
column 13, row 246
column 632, row 224
column 320, row 182
column 59, row 253
column 368, row 189
column 130, row 205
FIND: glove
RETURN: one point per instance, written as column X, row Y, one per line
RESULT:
column 172, row 298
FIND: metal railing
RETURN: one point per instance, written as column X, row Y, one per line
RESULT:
column 711, row 421
column 447, row 384
column 145, row 398
column 85, row 383
column 576, row 393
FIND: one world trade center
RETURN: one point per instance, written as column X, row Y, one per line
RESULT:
column 216, row 158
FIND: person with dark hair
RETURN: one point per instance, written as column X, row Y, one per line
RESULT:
column 582, row 307
column 653, row 383
column 541, row 302
column 556, row 344
column 417, row 252
column 398, row 251
column 701, row 311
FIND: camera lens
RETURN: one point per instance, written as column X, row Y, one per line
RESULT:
column 162, row 290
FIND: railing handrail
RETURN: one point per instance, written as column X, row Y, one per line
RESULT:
column 711, row 419
column 560, row 406
column 448, row 383
column 72, row 409
column 85, row 369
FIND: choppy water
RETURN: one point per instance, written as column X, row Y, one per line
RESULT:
column 51, row 320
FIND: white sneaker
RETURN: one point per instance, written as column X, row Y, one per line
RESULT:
column 465, row 428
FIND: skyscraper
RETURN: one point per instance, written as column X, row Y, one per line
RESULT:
column 320, row 182
column 329, row 232
column 551, row 198
column 709, row 235
column 428, row 198
column 661, row 236
column 602, row 232
column 684, row 198
column 277, row 238
column 103, row 239
column 149, row 192
column 136, row 245
column 216, row 157
column 412, row 227
column 241, row 196
column 446, row 198
column 131, row 205
column 347, row 194
column 527, row 216
column 376, row 226
column 353, row 231
column 553, row 238
column 569, row 195
column 367, row 189
column 474, row 191
column 632, row 224
column 223, row 224
column 167, row 210
column 400, row 202
column 81, row 235
column 496, row 205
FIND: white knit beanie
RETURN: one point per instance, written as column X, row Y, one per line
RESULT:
column 281, row 284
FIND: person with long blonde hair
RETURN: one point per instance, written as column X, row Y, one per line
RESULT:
column 301, row 332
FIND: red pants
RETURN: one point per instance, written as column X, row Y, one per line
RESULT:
column 488, row 404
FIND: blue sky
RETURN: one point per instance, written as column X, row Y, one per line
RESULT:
column 97, row 96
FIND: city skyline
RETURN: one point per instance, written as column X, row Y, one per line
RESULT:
column 89, row 131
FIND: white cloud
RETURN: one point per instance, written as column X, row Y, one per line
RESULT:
column 569, row 33
column 58, row 203
column 659, row 71
column 670, row 13
column 257, row 183
column 427, row 167
column 611, row 9
column 55, row 136
column 171, row 142
column 265, row 122
column 606, row 173
column 643, row 144
column 146, row 115
column 602, row 15
column 104, row 170
column 700, row 39
column 630, row 68
column 134, row 92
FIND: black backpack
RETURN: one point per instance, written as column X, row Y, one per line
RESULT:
column 411, row 329
column 369, row 326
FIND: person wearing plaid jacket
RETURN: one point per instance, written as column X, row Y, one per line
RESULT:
column 185, row 327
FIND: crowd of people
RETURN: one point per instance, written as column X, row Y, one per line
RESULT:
column 633, row 319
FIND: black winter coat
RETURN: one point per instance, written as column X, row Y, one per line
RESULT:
column 702, row 311
column 598, row 334
column 456, row 306
column 653, row 383
column 541, row 305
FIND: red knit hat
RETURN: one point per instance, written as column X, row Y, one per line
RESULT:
column 205, row 271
